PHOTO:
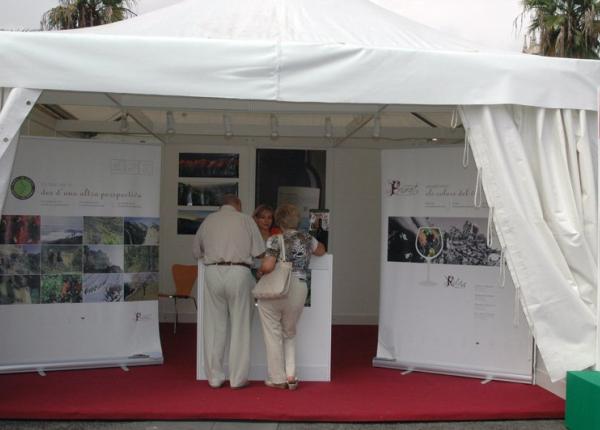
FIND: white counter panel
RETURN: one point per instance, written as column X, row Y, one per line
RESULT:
column 313, row 347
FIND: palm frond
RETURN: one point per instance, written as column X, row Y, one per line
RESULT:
column 565, row 28
column 86, row 13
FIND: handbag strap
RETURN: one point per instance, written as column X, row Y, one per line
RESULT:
column 281, row 247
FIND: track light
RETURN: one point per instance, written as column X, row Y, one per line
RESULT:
column 227, row 125
column 124, row 125
column 170, row 123
column 376, row 127
column 274, row 126
column 328, row 128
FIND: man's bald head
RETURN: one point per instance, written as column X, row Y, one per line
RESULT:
column 233, row 200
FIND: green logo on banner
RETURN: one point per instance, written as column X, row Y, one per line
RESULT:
column 22, row 187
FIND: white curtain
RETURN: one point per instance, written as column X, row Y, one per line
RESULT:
column 19, row 103
column 538, row 170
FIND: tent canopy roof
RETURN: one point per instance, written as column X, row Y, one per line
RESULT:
column 352, row 22
column 327, row 51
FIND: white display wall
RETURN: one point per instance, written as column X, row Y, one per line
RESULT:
column 352, row 182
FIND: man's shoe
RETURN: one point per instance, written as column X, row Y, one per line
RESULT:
column 237, row 387
column 216, row 384
column 282, row 386
column 293, row 385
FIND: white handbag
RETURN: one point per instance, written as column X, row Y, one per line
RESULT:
column 275, row 284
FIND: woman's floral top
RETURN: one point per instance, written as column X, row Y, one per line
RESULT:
column 299, row 246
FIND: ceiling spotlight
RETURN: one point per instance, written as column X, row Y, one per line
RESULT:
column 376, row 127
column 227, row 125
column 170, row 123
column 434, row 139
column 328, row 128
column 274, row 126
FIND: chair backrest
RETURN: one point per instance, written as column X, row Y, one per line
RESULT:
column 184, row 277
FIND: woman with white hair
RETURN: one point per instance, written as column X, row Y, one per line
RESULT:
column 280, row 316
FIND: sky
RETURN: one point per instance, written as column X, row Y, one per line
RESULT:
column 487, row 22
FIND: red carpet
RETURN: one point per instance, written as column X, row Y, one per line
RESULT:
column 357, row 392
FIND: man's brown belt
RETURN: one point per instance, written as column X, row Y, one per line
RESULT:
column 229, row 263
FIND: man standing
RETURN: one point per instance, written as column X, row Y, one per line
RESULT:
column 227, row 240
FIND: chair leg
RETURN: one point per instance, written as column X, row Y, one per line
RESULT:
column 175, row 324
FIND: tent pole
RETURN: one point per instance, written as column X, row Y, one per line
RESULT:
column 138, row 117
column 18, row 105
column 357, row 124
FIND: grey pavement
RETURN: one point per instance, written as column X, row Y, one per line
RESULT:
column 254, row 425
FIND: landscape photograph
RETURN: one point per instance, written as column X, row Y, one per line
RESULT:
column 103, row 230
column 62, row 230
column 62, row 259
column 141, row 286
column 141, row 259
column 202, row 165
column 188, row 222
column 190, row 194
column 19, row 229
column 20, row 259
column 61, row 289
column 102, row 287
column 19, row 289
column 141, row 231
column 103, row 258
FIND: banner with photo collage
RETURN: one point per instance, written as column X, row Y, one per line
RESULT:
column 79, row 263
column 446, row 305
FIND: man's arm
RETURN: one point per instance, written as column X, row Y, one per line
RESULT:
column 258, row 243
column 197, row 248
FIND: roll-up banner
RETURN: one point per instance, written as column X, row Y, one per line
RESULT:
column 79, row 256
column 447, row 306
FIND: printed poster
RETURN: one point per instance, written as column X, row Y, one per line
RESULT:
column 445, row 304
column 80, row 230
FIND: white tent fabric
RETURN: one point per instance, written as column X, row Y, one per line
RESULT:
column 307, row 21
column 328, row 51
column 18, row 105
column 352, row 51
column 539, row 178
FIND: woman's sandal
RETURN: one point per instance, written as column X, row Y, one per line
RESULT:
column 292, row 385
column 282, row 386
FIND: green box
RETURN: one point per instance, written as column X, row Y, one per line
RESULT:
column 583, row 400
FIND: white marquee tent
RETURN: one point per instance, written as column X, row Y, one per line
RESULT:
column 530, row 121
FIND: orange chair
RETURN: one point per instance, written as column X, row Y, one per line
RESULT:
column 184, row 277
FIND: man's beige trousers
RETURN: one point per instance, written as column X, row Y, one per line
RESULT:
column 227, row 302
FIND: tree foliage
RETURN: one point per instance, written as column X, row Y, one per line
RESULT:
column 565, row 28
column 71, row 14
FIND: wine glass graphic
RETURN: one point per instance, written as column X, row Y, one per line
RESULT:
column 429, row 244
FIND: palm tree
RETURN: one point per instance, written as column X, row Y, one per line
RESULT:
column 86, row 13
column 565, row 28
